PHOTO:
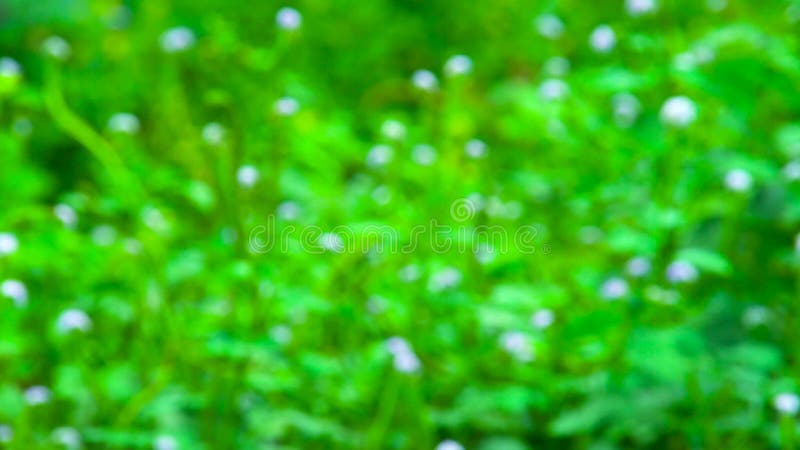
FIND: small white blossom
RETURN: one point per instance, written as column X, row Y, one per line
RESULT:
column 288, row 210
column 404, row 358
column 8, row 243
column 379, row 155
column 660, row 295
column 410, row 273
column 791, row 171
column 423, row 154
column 626, row 109
column 557, row 66
column 36, row 395
column 287, row 106
column 553, row 89
column 177, row 39
column 603, row 39
column 476, row 148
column 124, row 122
column 9, row 68
column 549, row 26
column 640, row 7
column 681, row 272
column 6, row 433
column 16, row 291
column 787, row 403
column 165, row 442
column 66, row 214
column 213, row 133
column 104, row 235
column 638, row 266
column 543, row 318
column 73, row 319
column 614, row 289
column 756, row 315
column 56, row 47
column 68, row 437
column 446, row 278
column 738, row 180
column 458, row 65
column 376, row 304
column 517, row 345
column 424, row 80
column 281, row 334
column 679, row 111
column 449, row 444
column 393, row 130
column 288, row 18
column 382, row 195
column 247, row 176
column 331, row 242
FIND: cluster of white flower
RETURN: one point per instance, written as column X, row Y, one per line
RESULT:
column 331, row 242
column 679, row 111
column 614, row 289
column 393, row 129
column 165, row 442
column 16, row 291
column 8, row 243
column 449, row 444
column 424, row 80
column 404, row 358
column 549, row 26
column 9, row 68
column 247, row 176
column 73, row 319
column 458, row 65
column 36, row 395
column 543, row 318
column 379, row 155
column 177, row 39
column 69, row 437
column 56, row 47
column 213, row 134
column 287, row 106
column 476, row 148
column 787, row 403
column 681, row 272
column 738, row 180
column 288, row 19
column 423, row 154
column 446, row 278
column 603, row 39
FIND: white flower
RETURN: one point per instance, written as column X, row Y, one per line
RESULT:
column 449, row 444
column 603, row 39
column 458, row 65
column 549, row 26
column 9, row 68
column 247, row 176
column 68, row 437
column 409, row 273
column 288, row 210
column 8, row 244
column 56, row 47
column 557, row 66
column 393, row 130
column 738, row 180
column 65, row 214
column 281, row 334
column 6, row 434
column 446, row 278
column 517, row 345
column 177, row 39
column 382, row 195
column 124, row 122
column 36, row 395
column 287, row 106
column 638, row 266
column 16, row 291
column 405, row 360
column 213, row 133
column 476, row 148
column 640, row 7
column 553, row 89
column 379, row 155
column 679, row 111
column 614, row 289
column 423, row 154
column 424, row 80
column 104, row 235
column 331, row 242
column 376, row 304
column 543, row 318
column 787, row 403
column 756, row 315
column 791, row 171
column 681, row 272
column 154, row 219
column 626, row 109
column 288, row 18
column 165, row 442
column 73, row 319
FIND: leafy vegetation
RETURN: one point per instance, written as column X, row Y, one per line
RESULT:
column 150, row 151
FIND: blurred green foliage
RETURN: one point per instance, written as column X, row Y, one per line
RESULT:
column 658, row 162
